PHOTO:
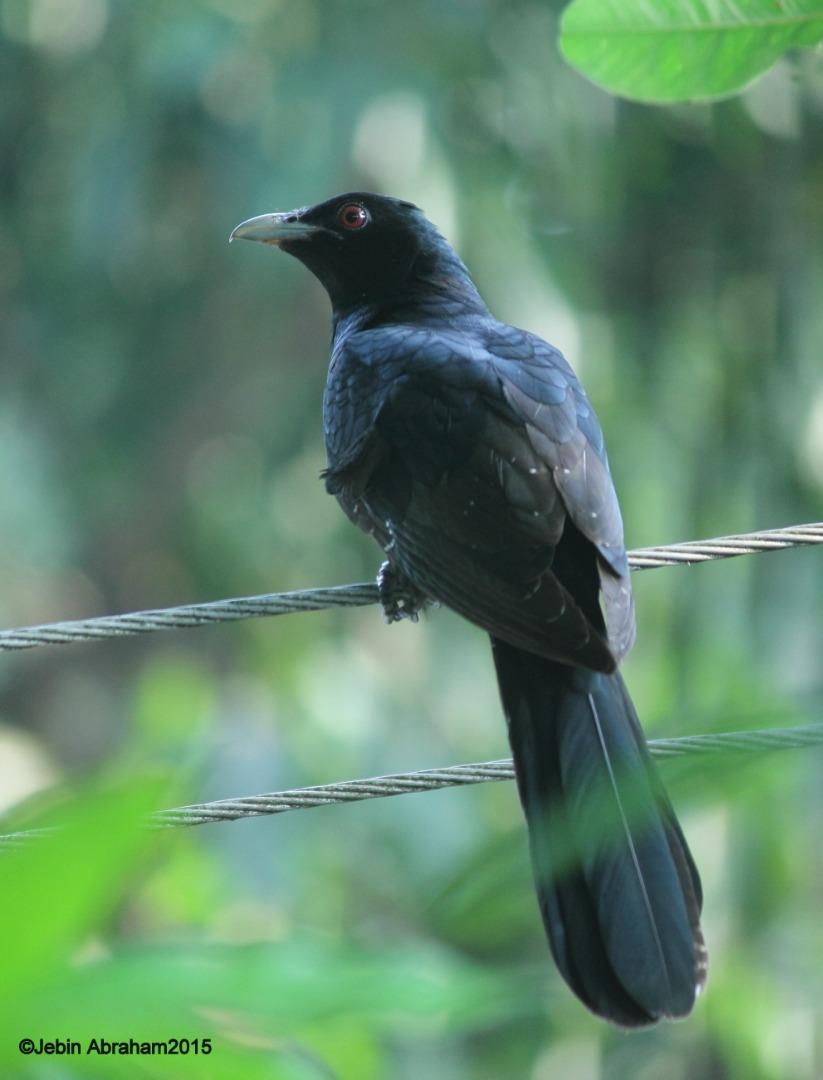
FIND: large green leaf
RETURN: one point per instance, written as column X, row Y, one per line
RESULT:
column 682, row 50
column 61, row 886
column 264, row 1007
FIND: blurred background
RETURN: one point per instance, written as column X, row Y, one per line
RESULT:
column 160, row 443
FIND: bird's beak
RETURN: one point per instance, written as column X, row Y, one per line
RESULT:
column 275, row 228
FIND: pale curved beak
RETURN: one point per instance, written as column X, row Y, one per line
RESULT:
column 275, row 229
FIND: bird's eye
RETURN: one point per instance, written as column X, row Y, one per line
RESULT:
column 353, row 216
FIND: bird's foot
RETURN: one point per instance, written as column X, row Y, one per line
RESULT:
column 399, row 597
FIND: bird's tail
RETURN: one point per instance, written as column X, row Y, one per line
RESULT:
column 618, row 890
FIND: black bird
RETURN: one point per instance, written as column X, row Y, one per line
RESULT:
column 468, row 449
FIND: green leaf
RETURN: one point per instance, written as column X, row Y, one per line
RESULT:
column 60, row 885
column 683, row 50
column 309, row 999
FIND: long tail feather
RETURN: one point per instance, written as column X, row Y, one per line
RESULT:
column 618, row 890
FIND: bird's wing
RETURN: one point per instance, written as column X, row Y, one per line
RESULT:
column 433, row 433
column 563, row 430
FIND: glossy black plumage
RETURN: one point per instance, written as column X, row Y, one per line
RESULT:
column 469, row 450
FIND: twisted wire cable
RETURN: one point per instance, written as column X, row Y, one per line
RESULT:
column 188, row 616
column 726, row 547
column 379, row 787
column 481, row 772
column 428, row 779
column 364, row 593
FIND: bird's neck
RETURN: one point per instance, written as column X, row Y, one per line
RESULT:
column 437, row 289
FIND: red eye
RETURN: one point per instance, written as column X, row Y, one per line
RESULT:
column 353, row 216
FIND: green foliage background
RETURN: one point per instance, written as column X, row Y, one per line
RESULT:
column 160, row 442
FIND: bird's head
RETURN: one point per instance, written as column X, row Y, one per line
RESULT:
column 364, row 248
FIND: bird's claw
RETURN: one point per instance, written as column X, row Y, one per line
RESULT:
column 399, row 597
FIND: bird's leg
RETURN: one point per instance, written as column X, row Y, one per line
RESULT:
column 400, row 598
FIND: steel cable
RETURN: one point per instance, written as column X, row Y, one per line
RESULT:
column 379, row 787
column 364, row 593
